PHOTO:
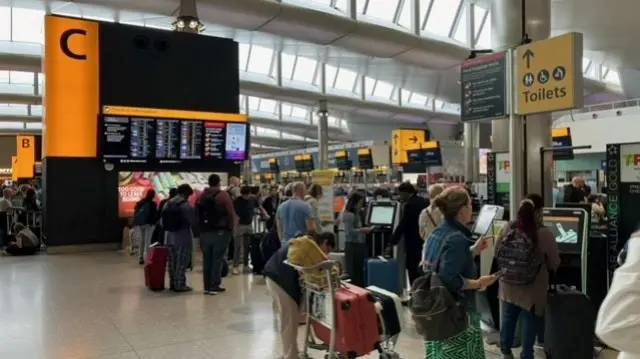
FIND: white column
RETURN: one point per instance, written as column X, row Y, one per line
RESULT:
column 323, row 135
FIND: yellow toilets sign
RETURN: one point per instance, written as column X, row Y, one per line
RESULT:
column 549, row 75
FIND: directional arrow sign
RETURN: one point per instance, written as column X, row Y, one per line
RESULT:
column 404, row 139
column 527, row 56
column 549, row 75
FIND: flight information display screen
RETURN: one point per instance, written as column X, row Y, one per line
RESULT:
column 160, row 141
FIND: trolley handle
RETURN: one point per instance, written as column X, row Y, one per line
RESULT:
column 324, row 265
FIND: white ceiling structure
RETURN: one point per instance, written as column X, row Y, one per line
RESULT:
column 379, row 64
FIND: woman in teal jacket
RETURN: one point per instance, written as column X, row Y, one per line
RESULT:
column 355, row 251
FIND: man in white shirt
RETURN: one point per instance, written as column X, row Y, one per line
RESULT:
column 618, row 322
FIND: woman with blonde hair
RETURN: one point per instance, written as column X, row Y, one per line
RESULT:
column 448, row 247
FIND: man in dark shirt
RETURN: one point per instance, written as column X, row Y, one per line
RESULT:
column 245, row 207
column 409, row 228
column 573, row 192
column 216, row 219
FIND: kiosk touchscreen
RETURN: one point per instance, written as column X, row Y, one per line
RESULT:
column 488, row 213
column 570, row 226
column 382, row 215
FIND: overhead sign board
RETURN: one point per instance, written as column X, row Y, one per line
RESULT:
column 561, row 139
column 404, row 139
column 484, row 84
column 549, row 75
column 427, row 153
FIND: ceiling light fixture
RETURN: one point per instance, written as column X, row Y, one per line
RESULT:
column 188, row 23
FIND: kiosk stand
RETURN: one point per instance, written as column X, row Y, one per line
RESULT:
column 571, row 229
column 384, row 217
column 487, row 301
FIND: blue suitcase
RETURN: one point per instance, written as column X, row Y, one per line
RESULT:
column 383, row 273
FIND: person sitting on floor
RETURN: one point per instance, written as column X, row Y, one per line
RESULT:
column 25, row 243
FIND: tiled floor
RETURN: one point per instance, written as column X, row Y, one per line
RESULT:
column 95, row 306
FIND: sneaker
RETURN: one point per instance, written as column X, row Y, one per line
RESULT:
column 508, row 356
column 235, row 271
column 140, row 262
column 218, row 290
column 209, row 292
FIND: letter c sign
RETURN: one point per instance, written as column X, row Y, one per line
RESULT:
column 64, row 43
column 26, row 143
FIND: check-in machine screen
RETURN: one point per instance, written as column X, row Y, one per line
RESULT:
column 565, row 229
column 485, row 219
column 382, row 215
column 569, row 226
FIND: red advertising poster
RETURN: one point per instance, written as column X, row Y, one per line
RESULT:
column 134, row 185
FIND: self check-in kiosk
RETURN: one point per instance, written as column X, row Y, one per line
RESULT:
column 583, row 252
column 483, row 226
column 570, row 227
column 384, row 217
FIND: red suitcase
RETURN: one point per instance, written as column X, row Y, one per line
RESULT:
column 155, row 267
column 356, row 322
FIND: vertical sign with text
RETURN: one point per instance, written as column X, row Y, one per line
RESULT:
column 26, row 156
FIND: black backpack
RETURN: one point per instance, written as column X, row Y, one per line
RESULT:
column 436, row 312
column 172, row 218
column 519, row 258
column 210, row 212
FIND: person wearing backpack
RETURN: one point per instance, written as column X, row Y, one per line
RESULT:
column 216, row 222
column 179, row 222
column 526, row 251
column 145, row 216
column 443, row 301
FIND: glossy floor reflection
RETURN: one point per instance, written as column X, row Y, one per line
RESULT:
column 95, row 306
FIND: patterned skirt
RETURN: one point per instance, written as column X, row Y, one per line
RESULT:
column 466, row 345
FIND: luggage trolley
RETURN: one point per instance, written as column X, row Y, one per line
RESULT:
column 323, row 311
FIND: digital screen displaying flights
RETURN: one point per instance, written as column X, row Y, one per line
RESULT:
column 136, row 140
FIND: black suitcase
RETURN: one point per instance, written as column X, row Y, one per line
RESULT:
column 388, row 306
column 570, row 321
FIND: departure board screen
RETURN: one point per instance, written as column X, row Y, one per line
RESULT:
column 142, row 138
column 157, row 142
column 167, row 139
column 191, row 140
column 116, row 140
column 214, row 135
